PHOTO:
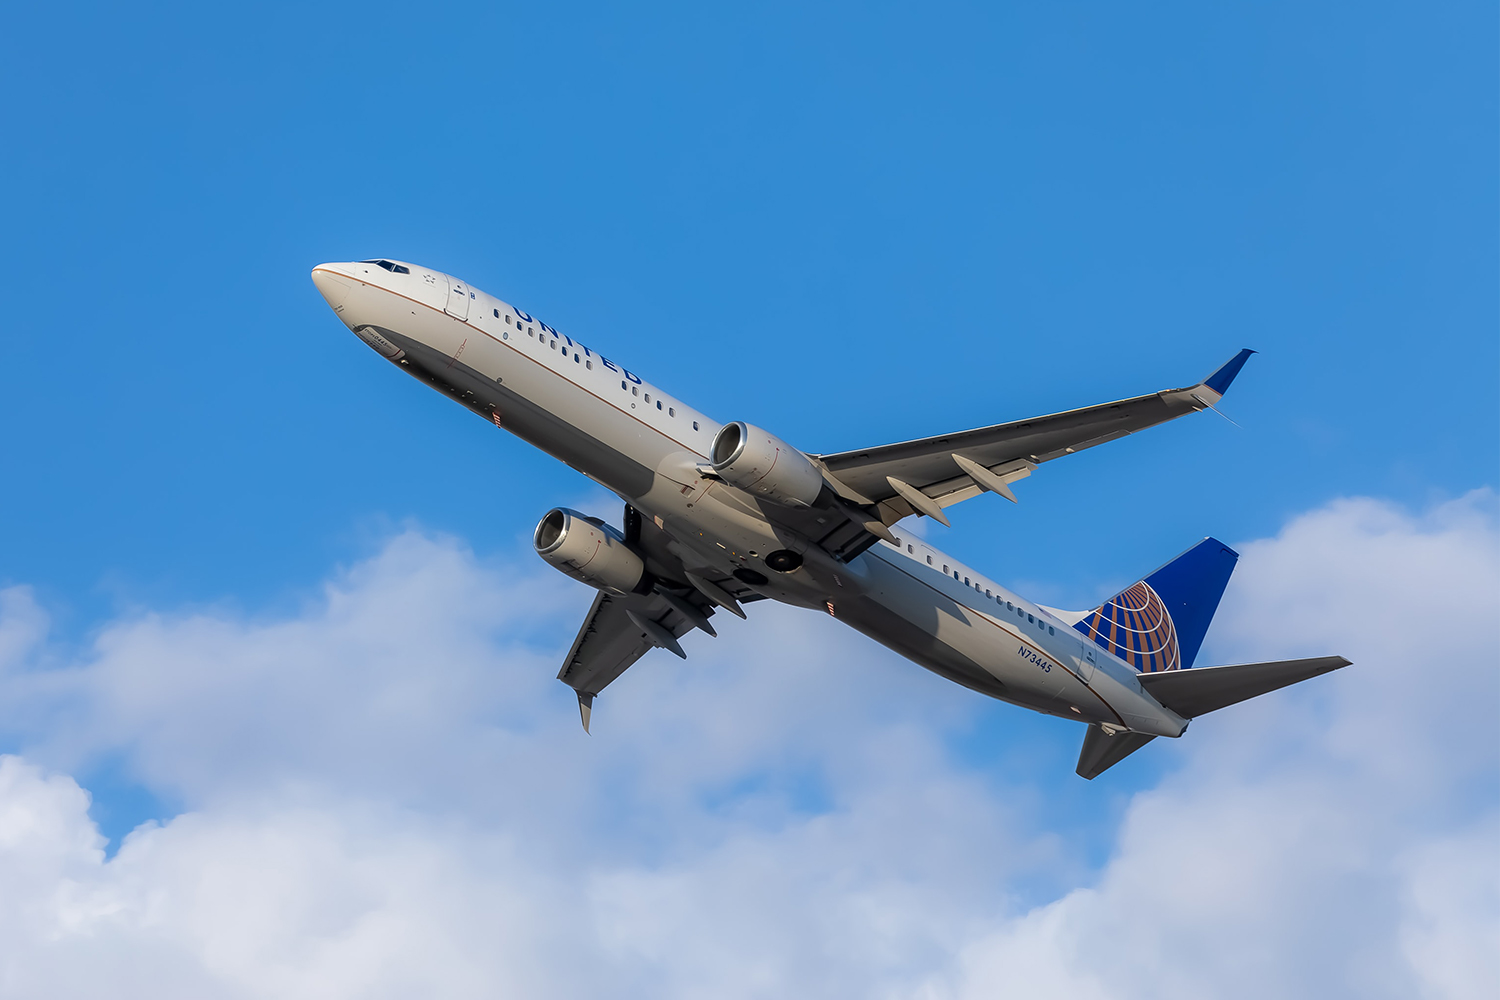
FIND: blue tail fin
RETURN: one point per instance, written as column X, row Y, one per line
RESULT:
column 1159, row 623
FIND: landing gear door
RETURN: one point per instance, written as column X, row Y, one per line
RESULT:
column 459, row 295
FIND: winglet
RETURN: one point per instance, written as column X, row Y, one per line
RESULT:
column 1219, row 380
column 585, row 708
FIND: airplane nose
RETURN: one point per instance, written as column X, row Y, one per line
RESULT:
column 333, row 286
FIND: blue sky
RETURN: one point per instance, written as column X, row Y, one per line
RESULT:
column 851, row 225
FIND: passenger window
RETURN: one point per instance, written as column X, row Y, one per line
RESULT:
column 1051, row 630
column 910, row 549
column 497, row 313
column 623, row 385
column 507, row 319
column 695, row 425
column 966, row 581
column 648, row 397
column 671, row 411
column 987, row 592
column 1030, row 619
column 554, row 345
column 929, row 560
column 945, row 569
column 634, row 391
column 658, row 404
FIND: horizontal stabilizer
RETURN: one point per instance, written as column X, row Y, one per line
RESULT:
column 1194, row 692
column 1101, row 751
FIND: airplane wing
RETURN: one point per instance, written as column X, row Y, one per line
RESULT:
column 926, row 475
column 620, row 630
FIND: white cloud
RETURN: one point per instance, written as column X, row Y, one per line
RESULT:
column 23, row 625
column 389, row 795
column 1451, row 911
column 1335, row 840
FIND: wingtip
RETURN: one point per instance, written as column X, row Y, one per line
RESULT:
column 585, row 709
column 1219, row 381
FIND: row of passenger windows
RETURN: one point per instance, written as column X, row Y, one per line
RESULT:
column 634, row 390
column 1007, row 605
column 543, row 339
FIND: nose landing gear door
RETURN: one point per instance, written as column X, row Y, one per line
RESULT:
column 459, row 295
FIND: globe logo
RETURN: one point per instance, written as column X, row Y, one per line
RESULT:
column 1136, row 627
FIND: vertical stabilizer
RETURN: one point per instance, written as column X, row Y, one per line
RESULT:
column 1159, row 623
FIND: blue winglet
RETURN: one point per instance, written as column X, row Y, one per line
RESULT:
column 1219, row 380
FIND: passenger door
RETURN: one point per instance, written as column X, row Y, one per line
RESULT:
column 459, row 295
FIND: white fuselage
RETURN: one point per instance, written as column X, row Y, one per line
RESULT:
column 646, row 446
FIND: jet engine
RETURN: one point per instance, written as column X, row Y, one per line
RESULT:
column 760, row 463
column 588, row 550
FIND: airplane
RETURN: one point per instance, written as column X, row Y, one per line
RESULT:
column 720, row 515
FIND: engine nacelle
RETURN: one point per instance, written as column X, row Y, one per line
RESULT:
column 760, row 463
column 588, row 550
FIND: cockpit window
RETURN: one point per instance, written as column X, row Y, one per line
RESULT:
column 393, row 268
